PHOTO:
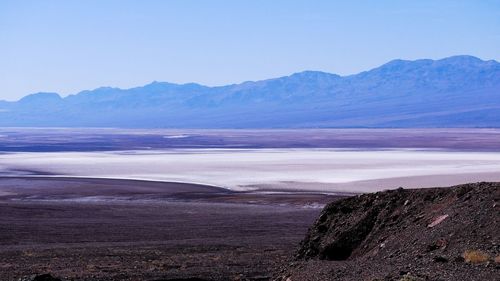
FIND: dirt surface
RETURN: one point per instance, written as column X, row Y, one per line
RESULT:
column 98, row 229
column 426, row 234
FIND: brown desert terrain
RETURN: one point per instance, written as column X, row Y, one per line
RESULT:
column 99, row 229
column 404, row 235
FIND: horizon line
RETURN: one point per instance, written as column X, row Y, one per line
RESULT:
column 248, row 81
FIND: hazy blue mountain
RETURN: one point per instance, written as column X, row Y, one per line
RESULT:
column 460, row 91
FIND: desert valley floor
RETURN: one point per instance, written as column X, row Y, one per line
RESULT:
column 106, row 204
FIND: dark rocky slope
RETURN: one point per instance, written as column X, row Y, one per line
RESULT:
column 425, row 234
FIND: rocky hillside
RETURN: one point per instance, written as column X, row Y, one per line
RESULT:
column 425, row 234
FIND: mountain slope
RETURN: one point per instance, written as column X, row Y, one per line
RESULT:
column 460, row 91
column 419, row 234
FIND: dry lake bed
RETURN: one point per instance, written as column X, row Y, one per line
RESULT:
column 322, row 170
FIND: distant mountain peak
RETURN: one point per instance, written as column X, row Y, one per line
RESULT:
column 462, row 58
column 398, row 67
column 159, row 83
column 41, row 96
column 465, row 59
column 314, row 74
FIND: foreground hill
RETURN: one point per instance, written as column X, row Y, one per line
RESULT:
column 425, row 234
column 460, row 91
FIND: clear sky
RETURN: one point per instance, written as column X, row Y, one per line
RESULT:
column 67, row 46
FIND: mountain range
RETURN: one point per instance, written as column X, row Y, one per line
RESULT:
column 459, row 91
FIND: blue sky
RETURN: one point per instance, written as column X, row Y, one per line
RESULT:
column 67, row 46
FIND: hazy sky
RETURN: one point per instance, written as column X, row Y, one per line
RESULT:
column 67, row 46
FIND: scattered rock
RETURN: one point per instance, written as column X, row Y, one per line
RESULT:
column 440, row 259
column 437, row 221
column 45, row 277
column 378, row 237
column 409, row 277
column 438, row 244
column 183, row 279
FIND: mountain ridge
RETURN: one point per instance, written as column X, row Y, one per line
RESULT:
column 300, row 73
column 458, row 91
